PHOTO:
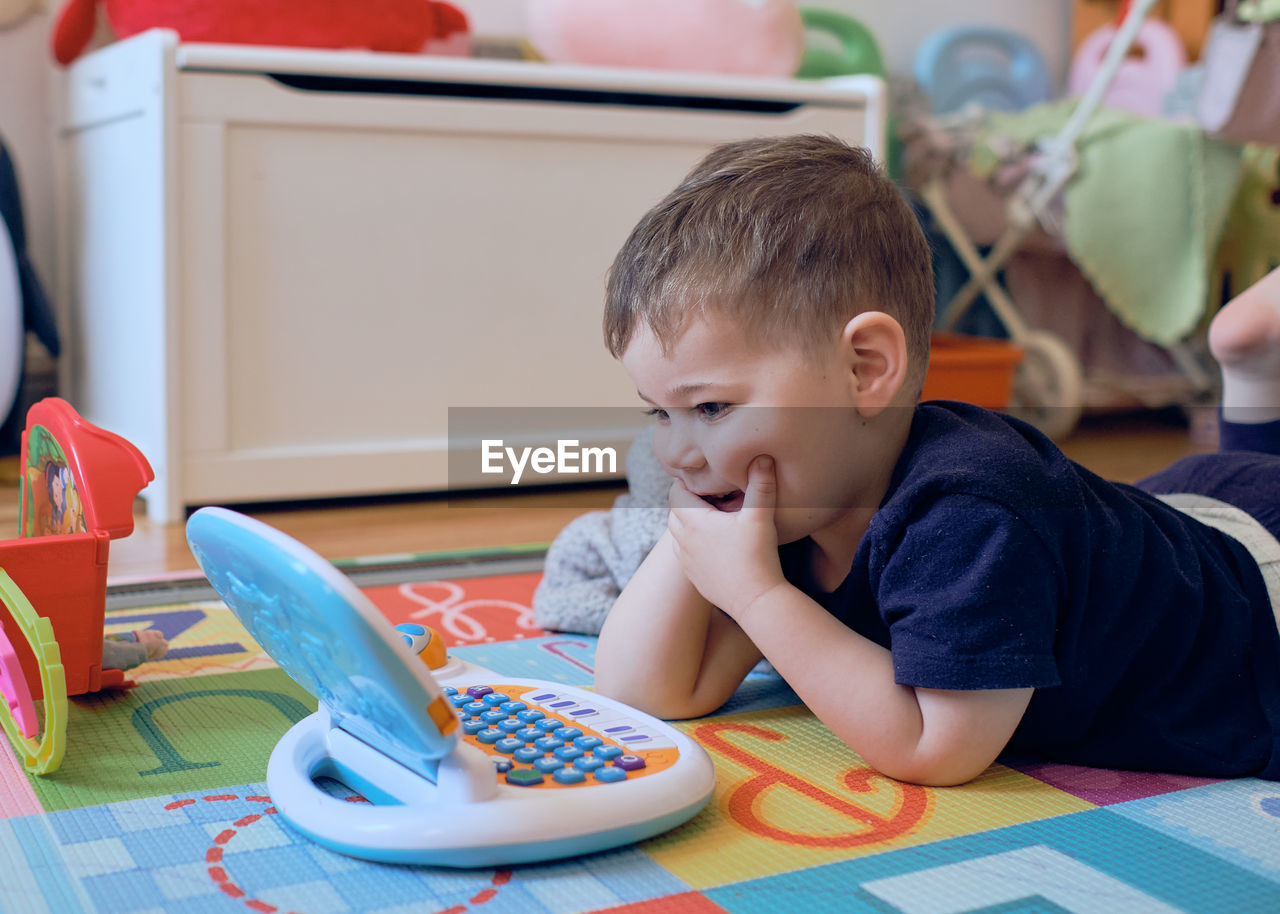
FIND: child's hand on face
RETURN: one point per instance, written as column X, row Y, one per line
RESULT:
column 731, row 558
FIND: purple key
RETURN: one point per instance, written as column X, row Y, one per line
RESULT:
column 629, row 762
column 479, row 691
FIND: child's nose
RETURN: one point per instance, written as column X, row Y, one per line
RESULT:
column 678, row 450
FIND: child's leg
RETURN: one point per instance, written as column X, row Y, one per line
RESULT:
column 1245, row 339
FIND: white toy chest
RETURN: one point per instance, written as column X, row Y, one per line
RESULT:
column 280, row 269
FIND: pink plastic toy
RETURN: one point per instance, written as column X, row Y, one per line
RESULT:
column 745, row 37
column 1144, row 78
column 13, row 688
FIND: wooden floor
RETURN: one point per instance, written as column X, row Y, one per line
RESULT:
column 1123, row 448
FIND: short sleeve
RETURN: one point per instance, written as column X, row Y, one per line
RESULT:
column 970, row 596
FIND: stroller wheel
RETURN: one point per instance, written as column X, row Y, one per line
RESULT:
column 1048, row 387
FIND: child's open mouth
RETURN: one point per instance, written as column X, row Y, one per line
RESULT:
column 729, row 501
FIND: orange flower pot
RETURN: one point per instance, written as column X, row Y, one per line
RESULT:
column 973, row 369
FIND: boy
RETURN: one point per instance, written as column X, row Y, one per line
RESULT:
column 938, row 583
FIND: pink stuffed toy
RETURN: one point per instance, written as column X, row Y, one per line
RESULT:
column 748, row 37
column 380, row 25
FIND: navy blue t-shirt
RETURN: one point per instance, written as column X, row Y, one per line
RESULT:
column 994, row 562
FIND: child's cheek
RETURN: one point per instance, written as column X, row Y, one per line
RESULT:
column 733, row 452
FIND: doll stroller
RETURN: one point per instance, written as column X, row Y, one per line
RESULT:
column 1049, row 386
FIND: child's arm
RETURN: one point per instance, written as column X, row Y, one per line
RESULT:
column 926, row 736
column 665, row 649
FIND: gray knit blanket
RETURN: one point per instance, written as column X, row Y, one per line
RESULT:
column 592, row 558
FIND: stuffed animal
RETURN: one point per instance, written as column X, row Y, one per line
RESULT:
column 749, row 37
column 380, row 25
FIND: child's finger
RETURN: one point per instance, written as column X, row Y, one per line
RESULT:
column 682, row 499
column 762, row 484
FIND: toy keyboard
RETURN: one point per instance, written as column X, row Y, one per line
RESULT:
column 462, row 767
column 539, row 737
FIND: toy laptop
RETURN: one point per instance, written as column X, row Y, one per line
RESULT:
column 461, row 766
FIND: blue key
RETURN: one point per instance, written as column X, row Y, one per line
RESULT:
column 489, row 735
column 569, row 776
column 493, row 715
column 493, row 699
column 528, row 734
column 460, row 701
column 529, row 715
column 547, row 765
column 610, row 775
column 568, row 734
column 450, row 691
column 568, row 753
column 547, row 724
column 475, row 707
column 511, row 707
column 587, row 763
column 548, row 743
column 510, row 725
column 503, row 765
column 472, row 727
column 608, row 753
column 588, row 742
column 527, row 754
column 524, row 777
column 508, row 745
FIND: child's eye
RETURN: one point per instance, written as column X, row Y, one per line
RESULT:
column 656, row 413
column 711, row 410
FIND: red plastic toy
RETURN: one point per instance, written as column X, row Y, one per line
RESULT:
column 381, row 25
column 78, row 487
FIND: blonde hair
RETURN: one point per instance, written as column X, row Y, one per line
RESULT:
column 790, row 237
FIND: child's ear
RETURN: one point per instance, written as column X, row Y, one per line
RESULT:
column 875, row 350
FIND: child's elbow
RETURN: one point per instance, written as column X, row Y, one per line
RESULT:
column 936, row 777
column 934, row 771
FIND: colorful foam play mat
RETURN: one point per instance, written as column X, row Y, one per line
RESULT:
column 161, row 804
